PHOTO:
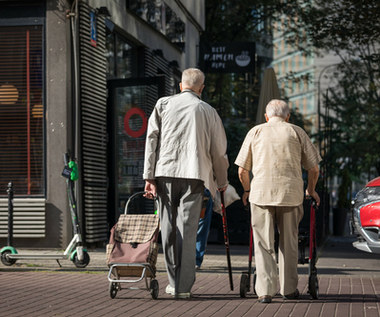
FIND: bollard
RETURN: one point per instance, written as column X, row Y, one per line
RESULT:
column 10, row 213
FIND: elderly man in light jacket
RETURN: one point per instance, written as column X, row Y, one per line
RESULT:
column 185, row 152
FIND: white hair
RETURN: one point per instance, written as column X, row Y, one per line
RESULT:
column 192, row 78
column 277, row 108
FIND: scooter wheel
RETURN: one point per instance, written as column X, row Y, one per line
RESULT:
column 244, row 285
column 313, row 286
column 81, row 264
column 5, row 260
column 113, row 288
column 154, row 289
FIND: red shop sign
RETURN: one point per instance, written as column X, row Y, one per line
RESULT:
column 127, row 128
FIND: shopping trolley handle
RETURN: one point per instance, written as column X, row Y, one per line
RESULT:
column 136, row 196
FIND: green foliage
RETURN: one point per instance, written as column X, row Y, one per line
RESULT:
column 351, row 30
column 235, row 20
column 354, row 126
column 236, row 96
column 298, row 119
column 332, row 24
column 344, row 190
column 236, row 131
column 232, row 95
column 341, row 25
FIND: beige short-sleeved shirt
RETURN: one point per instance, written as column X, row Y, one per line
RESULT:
column 275, row 152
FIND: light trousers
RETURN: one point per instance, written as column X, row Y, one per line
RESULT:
column 180, row 204
column 263, row 223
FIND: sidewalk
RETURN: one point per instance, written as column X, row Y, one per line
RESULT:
column 349, row 285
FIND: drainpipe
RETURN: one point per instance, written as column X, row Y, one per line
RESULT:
column 75, row 154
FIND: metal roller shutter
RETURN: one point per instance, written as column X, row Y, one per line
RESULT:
column 93, row 105
column 28, row 218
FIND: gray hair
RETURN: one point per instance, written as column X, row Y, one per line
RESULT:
column 192, row 78
column 277, row 108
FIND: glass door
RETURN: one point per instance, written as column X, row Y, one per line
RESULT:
column 131, row 102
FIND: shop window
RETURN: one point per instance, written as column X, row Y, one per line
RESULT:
column 161, row 17
column 120, row 57
column 110, row 56
column 22, row 109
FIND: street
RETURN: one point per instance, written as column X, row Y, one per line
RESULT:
column 349, row 285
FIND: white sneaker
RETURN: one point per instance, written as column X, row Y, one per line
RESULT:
column 170, row 290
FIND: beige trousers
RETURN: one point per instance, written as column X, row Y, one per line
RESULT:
column 263, row 219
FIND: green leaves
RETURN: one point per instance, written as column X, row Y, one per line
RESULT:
column 351, row 30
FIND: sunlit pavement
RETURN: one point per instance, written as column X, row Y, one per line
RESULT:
column 349, row 285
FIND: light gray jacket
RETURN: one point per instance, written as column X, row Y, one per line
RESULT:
column 186, row 139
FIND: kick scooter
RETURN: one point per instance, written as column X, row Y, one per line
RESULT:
column 74, row 251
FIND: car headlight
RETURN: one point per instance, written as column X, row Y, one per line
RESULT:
column 367, row 194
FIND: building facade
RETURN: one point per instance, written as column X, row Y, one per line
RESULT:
column 295, row 71
column 301, row 77
column 82, row 77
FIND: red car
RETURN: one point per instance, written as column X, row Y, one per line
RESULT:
column 366, row 217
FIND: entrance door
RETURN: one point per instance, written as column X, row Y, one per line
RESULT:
column 130, row 103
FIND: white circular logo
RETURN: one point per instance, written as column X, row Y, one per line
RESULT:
column 243, row 59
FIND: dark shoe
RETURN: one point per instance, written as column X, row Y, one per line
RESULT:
column 266, row 299
column 294, row 295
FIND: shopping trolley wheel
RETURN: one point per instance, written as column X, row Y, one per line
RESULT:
column 154, row 289
column 113, row 288
column 5, row 260
column 313, row 286
column 254, row 276
column 244, row 285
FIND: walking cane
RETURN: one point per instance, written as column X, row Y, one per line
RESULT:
column 226, row 241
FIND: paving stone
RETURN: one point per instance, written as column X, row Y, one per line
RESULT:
column 349, row 285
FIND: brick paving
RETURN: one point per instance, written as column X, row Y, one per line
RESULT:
column 349, row 285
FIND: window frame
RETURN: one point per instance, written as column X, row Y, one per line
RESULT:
column 34, row 21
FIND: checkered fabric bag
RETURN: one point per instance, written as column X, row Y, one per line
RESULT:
column 134, row 240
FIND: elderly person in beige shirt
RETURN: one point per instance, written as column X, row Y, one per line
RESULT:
column 275, row 153
column 185, row 152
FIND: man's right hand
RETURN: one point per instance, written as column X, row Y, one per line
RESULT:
column 313, row 194
column 312, row 178
column 150, row 189
column 244, row 198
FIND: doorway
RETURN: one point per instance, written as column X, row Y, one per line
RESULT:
column 130, row 103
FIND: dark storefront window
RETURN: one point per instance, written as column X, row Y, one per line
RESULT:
column 119, row 53
column 131, row 115
column 161, row 17
column 131, row 102
column 21, row 109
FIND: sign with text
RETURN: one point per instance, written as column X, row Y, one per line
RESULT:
column 93, row 28
column 234, row 57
